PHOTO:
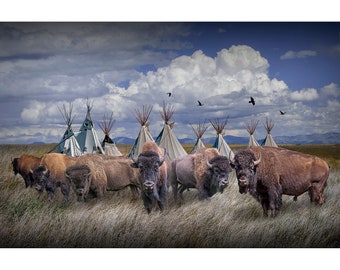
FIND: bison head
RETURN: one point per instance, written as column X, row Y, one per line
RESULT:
column 40, row 177
column 42, row 180
column 148, row 164
column 219, row 168
column 79, row 179
column 15, row 164
column 245, row 164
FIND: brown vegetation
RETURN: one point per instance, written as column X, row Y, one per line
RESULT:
column 226, row 220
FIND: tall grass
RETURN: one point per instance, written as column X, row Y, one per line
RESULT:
column 226, row 220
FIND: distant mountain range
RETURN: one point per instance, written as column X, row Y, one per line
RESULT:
column 327, row 138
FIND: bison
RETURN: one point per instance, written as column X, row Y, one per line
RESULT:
column 269, row 172
column 24, row 165
column 51, row 174
column 205, row 170
column 153, row 175
column 106, row 173
column 83, row 180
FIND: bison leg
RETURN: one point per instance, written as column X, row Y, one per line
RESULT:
column 316, row 193
column 163, row 191
column 275, row 200
column 147, row 202
column 175, row 189
column 134, row 191
column 65, row 190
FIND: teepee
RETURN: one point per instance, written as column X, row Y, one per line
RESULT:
column 199, row 130
column 108, row 145
column 166, row 138
column 269, row 140
column 221, row 145
column 144, row 134
column 251, row 127
column 88, row 137
column 68, row 144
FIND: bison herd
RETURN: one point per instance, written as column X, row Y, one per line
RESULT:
column 265, row 172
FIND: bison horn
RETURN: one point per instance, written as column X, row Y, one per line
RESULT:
column 256, row 162
column 208, row 163
column 134, row 159
column 162, row 158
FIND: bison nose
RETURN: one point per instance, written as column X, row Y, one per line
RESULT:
column 148, row 185
column 224, row 182
column 243, row 181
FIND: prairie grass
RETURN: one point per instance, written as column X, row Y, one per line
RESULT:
column 117, row 221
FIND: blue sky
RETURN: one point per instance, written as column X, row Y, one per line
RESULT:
column 292, row 67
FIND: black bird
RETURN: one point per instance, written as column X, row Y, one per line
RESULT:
column 252, row 101
column 169, row 94
column 199, row 103
column 282, row 113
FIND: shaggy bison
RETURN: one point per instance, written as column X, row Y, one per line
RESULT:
column 205, row 170
column 97, row 174
column 269, row 172
column 153, row 175
column 24, row 165
column 83, row 181
column 51, row 174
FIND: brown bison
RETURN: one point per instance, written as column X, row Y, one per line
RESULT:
column 105, row 173
column 153, row 175
column 85, row 181
column 269, row 172
column 205, row 170
column 51, row 174
column 24, row 165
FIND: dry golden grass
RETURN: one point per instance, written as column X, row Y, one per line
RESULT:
column 226, row 220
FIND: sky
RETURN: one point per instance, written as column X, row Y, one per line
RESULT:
column 121, row 66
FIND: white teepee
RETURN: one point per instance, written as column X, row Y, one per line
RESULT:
column 269, row 140
column 199, row 130
column 88, row 137
column 144, row 135
column 220, row 143
column 251, row 127
column 166, row 138
column 68, row 144
column 108, row 145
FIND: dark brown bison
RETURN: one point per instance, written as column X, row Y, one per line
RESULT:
column 109, row 173
column 24, row 165
column 51, row 174
column 85, row 181
column 269, row 172
column 153, row 175
column 205, row 170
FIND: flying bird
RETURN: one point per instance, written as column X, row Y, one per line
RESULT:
column 199, row 103
column 169, row 94
column 282, row 113
column 252, row 101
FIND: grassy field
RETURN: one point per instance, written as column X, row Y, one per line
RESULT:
column 226, row 220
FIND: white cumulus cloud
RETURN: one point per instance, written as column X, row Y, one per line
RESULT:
column 304, row 94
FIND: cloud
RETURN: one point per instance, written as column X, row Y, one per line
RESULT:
column 298, row 54
column 304, row 95
column 331, row 89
